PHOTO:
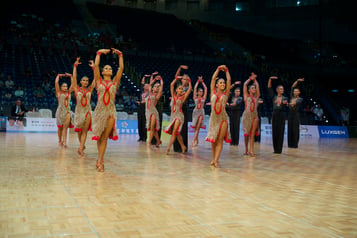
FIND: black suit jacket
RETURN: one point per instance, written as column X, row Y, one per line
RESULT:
column 13, row 111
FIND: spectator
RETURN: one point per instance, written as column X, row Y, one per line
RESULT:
column 8, row 94
column 46, row 85
column 19, row 92
column 17, row 114
column 318, row 114
column 39, row 92
column 9, row 83
column 345, row 116
column 120, row 106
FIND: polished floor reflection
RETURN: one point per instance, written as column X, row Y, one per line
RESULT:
column 46, row 191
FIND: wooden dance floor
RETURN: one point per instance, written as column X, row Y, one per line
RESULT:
column 46, row 191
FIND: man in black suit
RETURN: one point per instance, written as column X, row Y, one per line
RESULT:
column 17, row 114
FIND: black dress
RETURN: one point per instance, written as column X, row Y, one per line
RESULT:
column 294, row 123
column 234, row 117
column 278, row 122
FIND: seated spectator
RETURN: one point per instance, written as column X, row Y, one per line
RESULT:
column 46, row 85
column 9, row 83
column 19, row 92
column 17, row 114
column 120, row 106
column 39, row 92
column 8, row 94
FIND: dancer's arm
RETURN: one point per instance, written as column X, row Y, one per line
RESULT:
column 119, row 74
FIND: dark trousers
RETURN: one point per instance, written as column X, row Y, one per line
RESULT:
column 257, row 137
column 184, row 130
column 142, row 123
column 159, row 110
column 278, row 128
column 234, row 126
column 293, row 129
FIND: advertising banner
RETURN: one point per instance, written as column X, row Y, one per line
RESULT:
column 127, row 126
column 34, row 124
column 333, row 132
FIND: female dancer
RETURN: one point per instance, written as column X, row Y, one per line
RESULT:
column 63, row 112
column 83, row 112
column 177, row 117
column 152, row 115
column 234, row 117
column 184, row 132
column 294, row 115
column 105, row 116
column 219, row 121
column 278, row 117
column 198, row 114
column 251, row 94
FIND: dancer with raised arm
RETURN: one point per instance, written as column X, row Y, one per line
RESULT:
column 219, row 121
column 198, row 114
column 105, row 116
column 294, row 115
column 141, row 110
column 234, row 115
column 280, row 103
column 63, row 112
column 83, row 111
column 178, row 98
column 184, row 132
column 251, row 94
column 152, row 114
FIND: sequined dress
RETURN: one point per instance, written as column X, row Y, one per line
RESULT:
column 218, row 116
column 151, row 110
column 176, row 115
column 198, row 112
column 105, row 109
column 83, row 108
column 63, row 108
column 249, row 115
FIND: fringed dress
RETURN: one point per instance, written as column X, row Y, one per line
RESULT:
column 105, row 109
column 217, row 118
column 63, row 109
column 83, row 109
column 151, row 110
column 176, row 115
column 198, row 112
column 250, row 114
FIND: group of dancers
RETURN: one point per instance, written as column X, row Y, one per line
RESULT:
column 103, row 121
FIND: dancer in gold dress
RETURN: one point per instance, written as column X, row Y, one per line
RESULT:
column 105, row 116
column 198, row 114
column 178, row 98
column 251, row 94
column 219, row 122
column 83, row 111
column 63, row 112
